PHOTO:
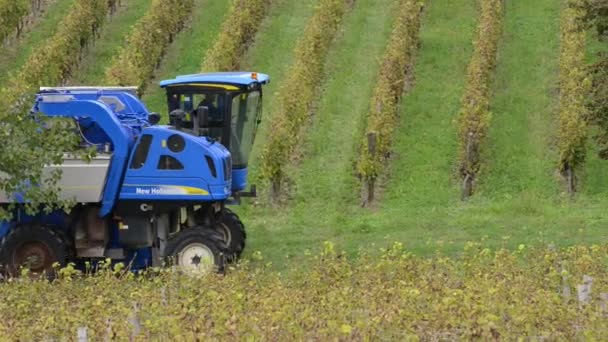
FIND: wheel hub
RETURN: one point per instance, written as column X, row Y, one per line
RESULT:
column 35, row 255
column 196, row 257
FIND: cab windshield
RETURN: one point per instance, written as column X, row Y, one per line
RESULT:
column 246, row 108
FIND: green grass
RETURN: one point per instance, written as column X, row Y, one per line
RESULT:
column 330, row 145
column 520, row 157
column 186, row 53
column 112, row 36
column 420, row 203
column 272, row 54
column 15, row 56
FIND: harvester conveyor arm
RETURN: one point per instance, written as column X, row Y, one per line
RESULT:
column 103, row 117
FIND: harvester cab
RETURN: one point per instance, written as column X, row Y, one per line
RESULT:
column 225, row 107
column 153, row 192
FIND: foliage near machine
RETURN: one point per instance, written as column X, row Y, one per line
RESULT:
column 297, row 94
column 574, row 88
column 148, row 42
column 239, row 29
column 474, row 117
column 23, row 159
column 397, row 64
column 13, row 14
column 542, row 293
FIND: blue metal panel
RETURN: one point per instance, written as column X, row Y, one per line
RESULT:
column 236, row 78
column 239, row 179
column 193, row 181
column 118, row 134
column 5, row 227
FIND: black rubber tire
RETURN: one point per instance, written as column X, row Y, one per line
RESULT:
column 41, row 239
column 232, row 230
column 197, row 235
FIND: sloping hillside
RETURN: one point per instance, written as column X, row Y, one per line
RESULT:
column 519, row 197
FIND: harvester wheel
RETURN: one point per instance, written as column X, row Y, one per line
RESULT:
column 230, row 226
column 196, row 251
column 33, row 247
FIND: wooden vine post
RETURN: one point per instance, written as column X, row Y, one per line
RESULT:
column 372, row 141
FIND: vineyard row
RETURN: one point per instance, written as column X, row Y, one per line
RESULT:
column 239, row 29
column 526, row 294
column 297, row 94
column 474, row 117
column 147, row 43
column 52, row 63
column 397, row 64
column 574, row 87
column 13, row 14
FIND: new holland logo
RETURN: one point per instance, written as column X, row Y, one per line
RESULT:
column 164, row 190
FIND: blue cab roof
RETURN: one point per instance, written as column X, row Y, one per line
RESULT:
column 232, row 78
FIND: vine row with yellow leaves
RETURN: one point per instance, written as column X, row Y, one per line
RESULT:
column 487, row 295
column 383, row 116
column 52, row 63
column 296, row 95
column 574, row 87
column 474, row 117
column 148, row 42
column 238, row 30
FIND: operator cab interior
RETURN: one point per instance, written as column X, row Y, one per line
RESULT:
column 225, row 107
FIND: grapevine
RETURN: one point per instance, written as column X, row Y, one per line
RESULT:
column 239, row 28
column 474, row 117
column 298, row 91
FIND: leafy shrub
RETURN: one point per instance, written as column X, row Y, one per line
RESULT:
column 50, row 64
column 528, row 294
column 147, row 43
column 297, row 94
column 474, row 117
column 397, row 62
column 239, row 28
column 574, row 88
column 12, row 15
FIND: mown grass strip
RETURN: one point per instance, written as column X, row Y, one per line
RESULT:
column 239, row 29
column 519, row 158
column 574, row 87
column 99, row 56
column 299, row 89
column 148, row 42
column 382, row 120
column 474, row 117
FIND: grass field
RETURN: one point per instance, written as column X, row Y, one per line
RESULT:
column 520, row 200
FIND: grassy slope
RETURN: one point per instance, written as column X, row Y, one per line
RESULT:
column 184, row 56
column 420, row 205
column 421, row 182
column 92, row 69
column 326, row 171
column 272, row 53
column 519, row 156
column 14, row 56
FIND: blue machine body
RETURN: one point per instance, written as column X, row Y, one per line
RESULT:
column 151, row 181
column 117, row 122
column 230, row 83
